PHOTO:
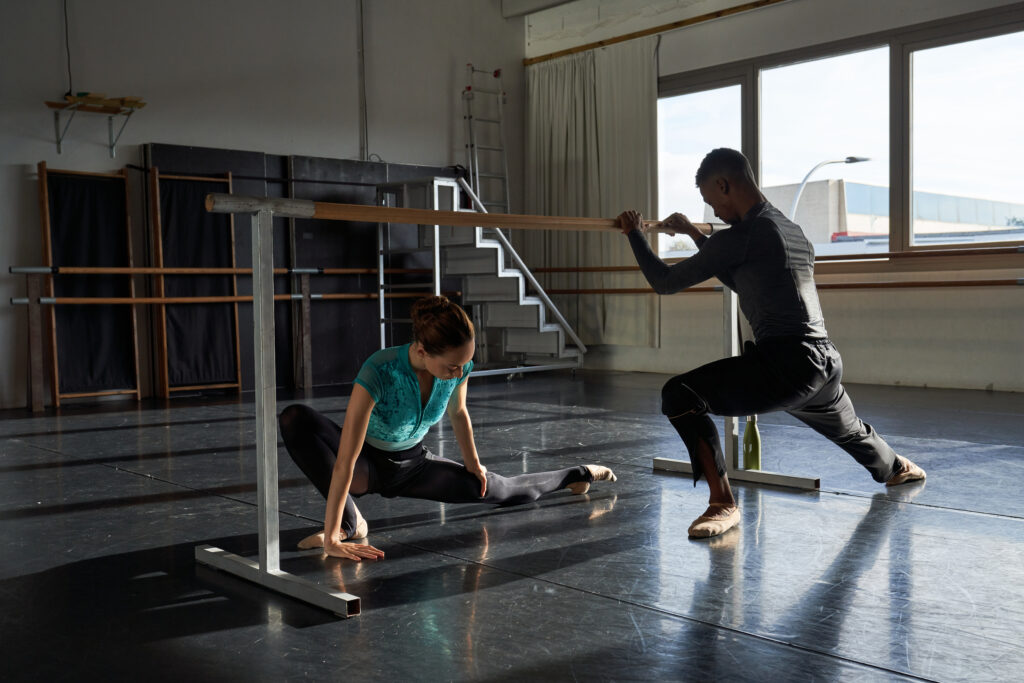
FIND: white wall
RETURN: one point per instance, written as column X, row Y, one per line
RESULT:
column 262, row 75
column 965, row 338
column 787, row 25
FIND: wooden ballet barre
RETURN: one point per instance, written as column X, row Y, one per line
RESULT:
column 940, row 253
column 101, row 270
column 226, row 299
column 908, row 284
column 630, row 290
column 887, row 284
column 301, row 208
column 980, row 251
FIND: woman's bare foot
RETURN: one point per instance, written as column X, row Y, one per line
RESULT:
column 717, row 519
column 597, row 473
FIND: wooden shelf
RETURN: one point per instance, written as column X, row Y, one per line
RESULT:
column 93, row 103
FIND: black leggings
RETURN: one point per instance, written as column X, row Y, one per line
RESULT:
column 312, row 441
column 800, row 376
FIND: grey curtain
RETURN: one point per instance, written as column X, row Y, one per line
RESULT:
column 591, row 150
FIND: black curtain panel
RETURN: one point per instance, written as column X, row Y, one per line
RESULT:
column 200, row 337
column 88, row 227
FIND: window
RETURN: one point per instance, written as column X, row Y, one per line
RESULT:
column 824, row 134
column 967, row 101
column 690, row 126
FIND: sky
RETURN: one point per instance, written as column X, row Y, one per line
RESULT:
column 968, row 115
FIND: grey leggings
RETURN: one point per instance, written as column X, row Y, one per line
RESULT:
column 312, row 441
column 800, row 376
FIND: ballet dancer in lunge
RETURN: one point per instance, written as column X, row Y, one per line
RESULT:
column 398, row 394
column 792, row 366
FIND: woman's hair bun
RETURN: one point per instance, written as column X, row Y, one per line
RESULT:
column 439, row 324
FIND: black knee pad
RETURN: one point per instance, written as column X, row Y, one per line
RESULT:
column 679, row 399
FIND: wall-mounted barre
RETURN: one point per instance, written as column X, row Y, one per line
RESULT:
column 226, row 299
column 167, row 270
column 887, row 284
column 300, row 208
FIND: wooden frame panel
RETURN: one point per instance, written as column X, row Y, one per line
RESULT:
column 164, row 388
column 44, row 174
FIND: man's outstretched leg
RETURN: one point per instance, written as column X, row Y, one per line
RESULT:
column 830, row 413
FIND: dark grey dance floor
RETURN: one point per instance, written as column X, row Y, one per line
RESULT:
column 101, row 507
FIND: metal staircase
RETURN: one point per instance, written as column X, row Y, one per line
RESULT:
column 516, row 331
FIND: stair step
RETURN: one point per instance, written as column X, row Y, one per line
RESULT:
column 513, row 314
column 518, row 340
column 450, row 236
column 471, row 261
column 570, row 353
column 485, row 289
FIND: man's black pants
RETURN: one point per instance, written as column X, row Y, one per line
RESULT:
column 800, row 376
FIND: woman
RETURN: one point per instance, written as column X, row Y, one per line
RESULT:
column 398, row 394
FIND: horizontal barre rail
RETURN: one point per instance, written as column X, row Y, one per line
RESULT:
column 969, row 251
column 630, row 290
column 908, row 284
column 84, row 300
column 994, row 251
column 146, row 270
column 892, row 284
column 301, row 208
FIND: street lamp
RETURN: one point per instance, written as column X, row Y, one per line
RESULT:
column 799, row 190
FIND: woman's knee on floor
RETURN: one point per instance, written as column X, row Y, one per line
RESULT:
column 292, row 419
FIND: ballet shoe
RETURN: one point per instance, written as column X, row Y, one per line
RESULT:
column 362, row 528
column 706, row 527
column 314, row 541
column 317, row 540
column 597, row 473
column 906, row 473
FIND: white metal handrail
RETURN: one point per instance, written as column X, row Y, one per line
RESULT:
column 526, row 272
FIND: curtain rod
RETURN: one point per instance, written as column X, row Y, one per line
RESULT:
column 745, row 7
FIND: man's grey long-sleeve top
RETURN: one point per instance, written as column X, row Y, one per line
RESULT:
column 765, row 259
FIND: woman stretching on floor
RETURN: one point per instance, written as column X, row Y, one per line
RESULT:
column 398, row 394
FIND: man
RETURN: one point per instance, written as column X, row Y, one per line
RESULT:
column 766, row 259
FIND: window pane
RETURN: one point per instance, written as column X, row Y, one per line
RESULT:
column 967, row 144
column 814, row 116
column 690, row 126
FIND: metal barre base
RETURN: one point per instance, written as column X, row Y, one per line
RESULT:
column 342, row 604
column 753, row 476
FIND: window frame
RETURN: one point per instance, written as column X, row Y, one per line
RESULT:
column 902, row 43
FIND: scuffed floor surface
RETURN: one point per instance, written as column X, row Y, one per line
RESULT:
column 101, row 507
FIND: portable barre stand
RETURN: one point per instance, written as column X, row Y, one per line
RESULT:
column 267, row 570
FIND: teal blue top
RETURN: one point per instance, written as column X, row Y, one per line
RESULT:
column 399, row 419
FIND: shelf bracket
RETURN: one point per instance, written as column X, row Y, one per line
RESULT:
column 110, row 131
column 56, row 127
column 60, row 132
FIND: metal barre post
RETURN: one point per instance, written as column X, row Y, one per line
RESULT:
column 268, row 572
column 266, row 388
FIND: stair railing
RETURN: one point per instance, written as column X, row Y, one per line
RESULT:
column 526, row 272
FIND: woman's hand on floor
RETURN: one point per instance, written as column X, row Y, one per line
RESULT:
column 352, row 551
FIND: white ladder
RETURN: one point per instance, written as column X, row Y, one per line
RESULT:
column 483, row 103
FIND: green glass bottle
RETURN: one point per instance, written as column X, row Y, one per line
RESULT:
column 751, row 445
